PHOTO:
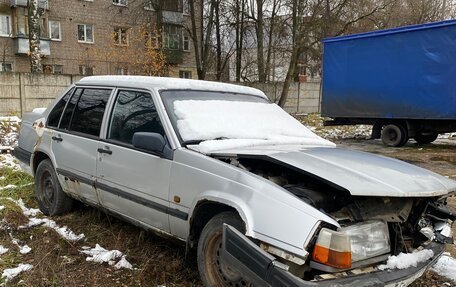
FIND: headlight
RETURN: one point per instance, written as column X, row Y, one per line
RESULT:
column 351, row 244
column 368, row 239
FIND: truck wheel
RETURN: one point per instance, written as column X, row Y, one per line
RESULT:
column 394, row 135
column 212, row 271
column 425, row 138
column 49, row 194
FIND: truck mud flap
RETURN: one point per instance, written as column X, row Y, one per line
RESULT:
column 255, row 265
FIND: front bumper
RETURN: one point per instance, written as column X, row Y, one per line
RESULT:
column 262, row 269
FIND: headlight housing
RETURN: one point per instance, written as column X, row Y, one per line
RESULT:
column 351, row 244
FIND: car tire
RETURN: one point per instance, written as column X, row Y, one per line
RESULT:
column 49, row 194
column 394, row 135
column 212, row 271
column 425, row 138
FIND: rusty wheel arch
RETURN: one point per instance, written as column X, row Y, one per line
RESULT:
column 38, row 157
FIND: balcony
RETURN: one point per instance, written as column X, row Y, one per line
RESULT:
column 171, row 17
column 173, row 57
column 22, row 47
column 23, row 3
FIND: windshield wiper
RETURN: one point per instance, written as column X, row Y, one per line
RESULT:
column 195, row 142
column 190, row 142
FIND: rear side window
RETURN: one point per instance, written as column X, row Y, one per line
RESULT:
column 88, row 113
column 66, row 117
column 133, row 112
column 56, row 113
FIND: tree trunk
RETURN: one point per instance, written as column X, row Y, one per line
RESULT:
column 260, row 40
column 240, row 13
column 34, row 36
column 289, row 77
column 218, row 40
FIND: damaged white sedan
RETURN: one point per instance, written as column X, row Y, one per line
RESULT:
column 259, row 198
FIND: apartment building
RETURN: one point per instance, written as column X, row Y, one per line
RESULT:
column 88, row 37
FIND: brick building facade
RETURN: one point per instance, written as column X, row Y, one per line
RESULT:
column 76, row 33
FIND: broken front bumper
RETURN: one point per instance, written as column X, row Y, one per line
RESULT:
column 262, row 269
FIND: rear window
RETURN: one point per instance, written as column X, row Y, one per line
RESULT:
column 56, row 113
column 69, row 109
column 89, row 111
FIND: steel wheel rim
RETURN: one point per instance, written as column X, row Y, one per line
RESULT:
column 217, row 271
column 46, row 190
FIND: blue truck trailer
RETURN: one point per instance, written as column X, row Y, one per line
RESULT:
column 401, row 81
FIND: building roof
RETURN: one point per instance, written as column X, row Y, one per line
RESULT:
column 167, row 83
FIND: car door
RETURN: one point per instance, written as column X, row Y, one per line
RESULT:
column 133, row 182
column 75, row 141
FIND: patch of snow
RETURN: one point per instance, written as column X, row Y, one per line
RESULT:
column 38, row 110
column 3, row 250
column 101, row 255
column 25, row 210
column 240, row 124
column 64, row 231
column 446, row 266
column 11, row 273
column 123, row 263
column 9, row 186
column 406, row 260
column 1, row 207
column 7, row 160
column 23, row 249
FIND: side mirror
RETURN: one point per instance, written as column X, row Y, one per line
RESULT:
column 149, row 141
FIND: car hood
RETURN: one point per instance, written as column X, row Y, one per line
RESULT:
column 362, row 174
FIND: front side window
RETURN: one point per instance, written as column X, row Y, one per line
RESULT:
column 88, row 113
column 85, row 33
column 54, row 30
column 133, row 112
column 56, row 113
column 5, row 25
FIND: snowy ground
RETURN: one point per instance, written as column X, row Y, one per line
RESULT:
column 82, row 242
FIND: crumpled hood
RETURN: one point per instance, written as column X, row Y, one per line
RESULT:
column 364, row 174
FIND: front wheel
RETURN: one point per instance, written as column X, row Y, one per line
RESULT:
column 212, row 271
column 49, row 194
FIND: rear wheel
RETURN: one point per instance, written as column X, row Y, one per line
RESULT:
column 425, row 138
column 49, row 194
column 394, row 135
column 212, row 271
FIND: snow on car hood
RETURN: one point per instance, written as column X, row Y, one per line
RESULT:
column 362, row 174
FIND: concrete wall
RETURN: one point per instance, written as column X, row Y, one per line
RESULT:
column 302, row 98
column 22, row 92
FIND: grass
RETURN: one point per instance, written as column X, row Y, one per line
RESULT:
column 57, row 262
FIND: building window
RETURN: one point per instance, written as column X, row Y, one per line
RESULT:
column 149, row 5
column 85, row 33
column 52, row 69
column 85, row 70
column 185, row 74
column 171, row 37
column 6, row 67
column 120, row 2
column 44, row 25
column 5, row 25
column 121, row 71
column 54, row 30
column 121, row 36
column 185, row 7
column 185, row 42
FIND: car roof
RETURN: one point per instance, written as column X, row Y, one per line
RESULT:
column 167, row 83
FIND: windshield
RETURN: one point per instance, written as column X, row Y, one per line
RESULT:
column 217, row 120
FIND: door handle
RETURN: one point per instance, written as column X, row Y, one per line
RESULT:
column 107, row 151
column 57, row 139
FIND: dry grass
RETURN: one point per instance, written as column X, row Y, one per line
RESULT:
column 57, row 262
